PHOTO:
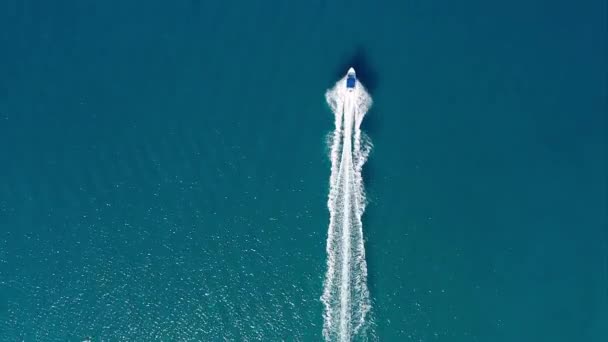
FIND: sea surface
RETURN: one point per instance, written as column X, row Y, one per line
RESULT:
column 164, row 168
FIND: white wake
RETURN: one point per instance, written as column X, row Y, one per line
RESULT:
column 345, row 294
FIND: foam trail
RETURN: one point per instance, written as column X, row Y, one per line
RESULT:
column 345, row 294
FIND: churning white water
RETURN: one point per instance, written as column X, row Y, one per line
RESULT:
column 345, row 294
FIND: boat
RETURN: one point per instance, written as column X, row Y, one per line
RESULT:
column 351, row 79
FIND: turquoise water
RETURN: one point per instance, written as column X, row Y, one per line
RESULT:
column 165, row 174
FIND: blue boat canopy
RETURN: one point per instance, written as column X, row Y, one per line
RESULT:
column 350, row 81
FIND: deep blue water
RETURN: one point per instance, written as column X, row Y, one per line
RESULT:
column 164, row 168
